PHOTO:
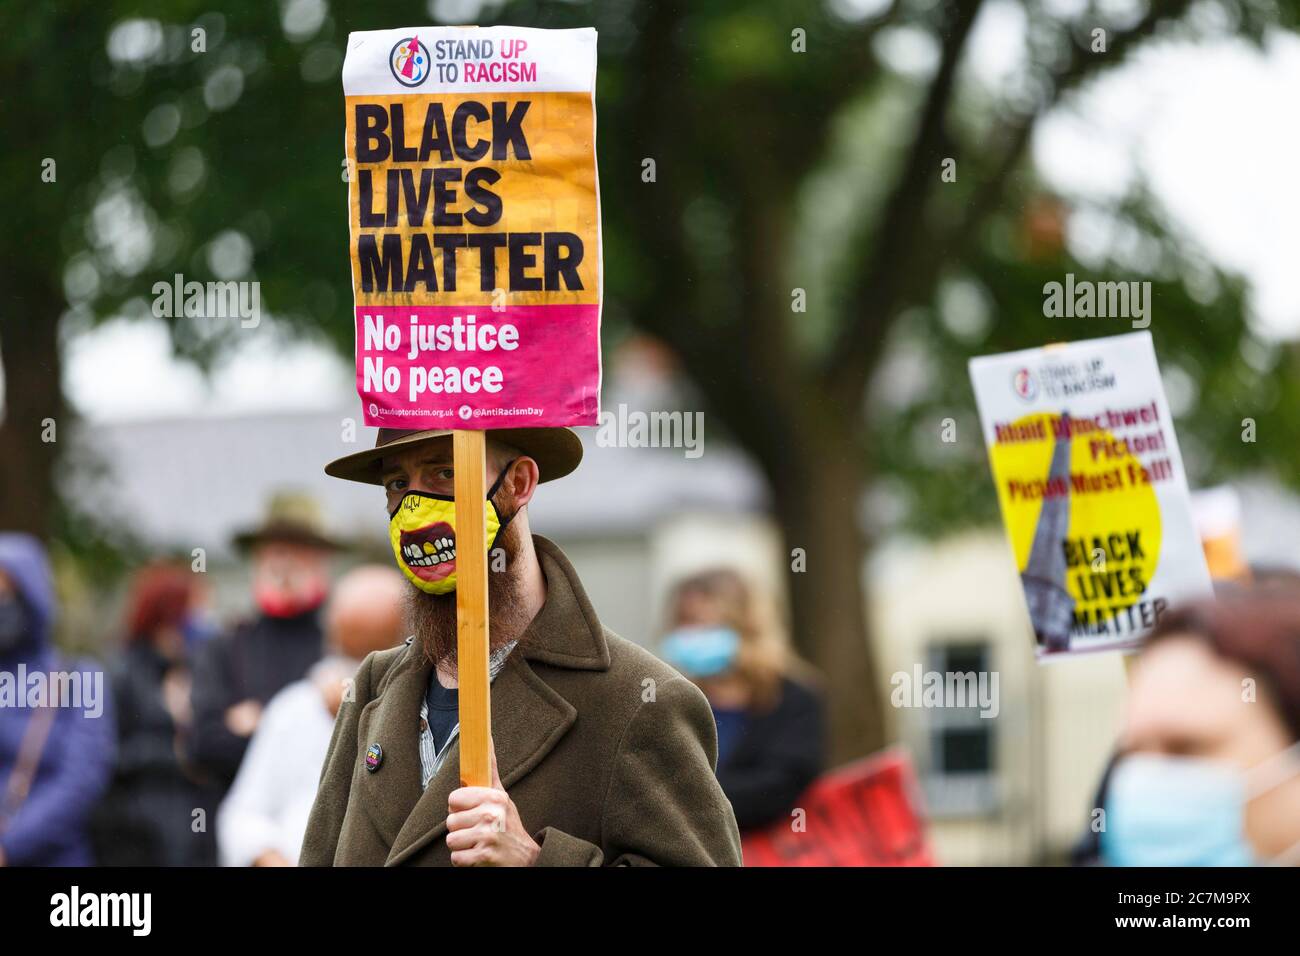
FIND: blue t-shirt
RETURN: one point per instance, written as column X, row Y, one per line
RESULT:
column 444, row 710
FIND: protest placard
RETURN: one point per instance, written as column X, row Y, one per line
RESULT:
column 474, row 215
column 1092, row 489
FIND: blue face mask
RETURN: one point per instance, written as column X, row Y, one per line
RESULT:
column 701, row 651
column 1182, row 811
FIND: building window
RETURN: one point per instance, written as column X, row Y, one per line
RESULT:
column 959, row 772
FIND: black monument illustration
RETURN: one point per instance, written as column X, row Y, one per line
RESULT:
column 1051, row 609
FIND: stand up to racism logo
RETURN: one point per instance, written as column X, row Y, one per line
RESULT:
column 1024, row 385
column 409, row 61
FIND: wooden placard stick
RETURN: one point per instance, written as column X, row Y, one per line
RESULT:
column 469, row 464
column 469, row 478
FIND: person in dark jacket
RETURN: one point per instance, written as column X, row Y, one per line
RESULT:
column 56, row 745
column 771, row 725
column 238, row 672
column 151, row 813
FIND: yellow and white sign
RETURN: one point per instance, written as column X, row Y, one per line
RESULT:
column 1092, row 489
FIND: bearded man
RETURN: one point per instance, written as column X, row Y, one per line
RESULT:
column 602, row 754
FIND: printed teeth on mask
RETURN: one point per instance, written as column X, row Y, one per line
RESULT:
column 416, row 558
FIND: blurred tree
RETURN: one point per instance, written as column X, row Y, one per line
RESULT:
column 824, row 171
column 795, row 148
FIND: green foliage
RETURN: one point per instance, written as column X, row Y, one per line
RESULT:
column 775, row 170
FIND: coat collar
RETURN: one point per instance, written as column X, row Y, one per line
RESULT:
column 528, row 716
column 566, row 631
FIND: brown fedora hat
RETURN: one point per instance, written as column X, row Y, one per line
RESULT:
column 292, row 517
column 557, row 451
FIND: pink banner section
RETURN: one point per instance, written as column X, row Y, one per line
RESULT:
column 475, row 367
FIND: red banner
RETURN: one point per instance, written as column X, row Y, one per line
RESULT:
column 865, row 814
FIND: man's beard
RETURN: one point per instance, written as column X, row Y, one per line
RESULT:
column 432, row 617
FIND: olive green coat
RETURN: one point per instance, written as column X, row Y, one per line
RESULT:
column 607, row 752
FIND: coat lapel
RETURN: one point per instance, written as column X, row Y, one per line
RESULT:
column 392, row 721
column 528, row 720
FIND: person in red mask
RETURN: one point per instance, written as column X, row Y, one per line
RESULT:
column 238, row 672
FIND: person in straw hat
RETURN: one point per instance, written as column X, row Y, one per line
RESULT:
column 236, row 673
column 602, row 754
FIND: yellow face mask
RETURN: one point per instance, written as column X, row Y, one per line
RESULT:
column 422, row 530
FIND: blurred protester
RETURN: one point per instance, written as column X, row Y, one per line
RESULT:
column 237, row 673
column 56, row 737
column 771, row 727
column 264, row 817
column 148, row 816
column 1208, row 772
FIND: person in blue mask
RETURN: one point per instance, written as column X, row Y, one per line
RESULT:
column 1208, row 771
column 769, row 714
